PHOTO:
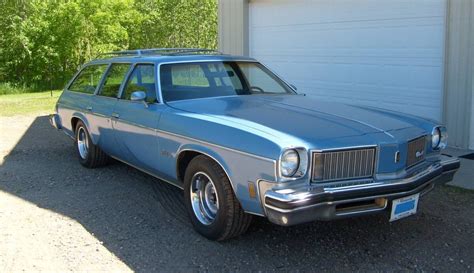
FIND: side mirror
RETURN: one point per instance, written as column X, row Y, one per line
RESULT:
column 139, row 96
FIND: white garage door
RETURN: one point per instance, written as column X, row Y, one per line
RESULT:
column 387, row 54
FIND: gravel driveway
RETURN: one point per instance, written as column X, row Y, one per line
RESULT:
column 57, row 215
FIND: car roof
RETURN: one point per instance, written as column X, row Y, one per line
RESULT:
column 166, row 56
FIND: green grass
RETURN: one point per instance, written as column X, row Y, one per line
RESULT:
column 28, row 103
column 7, row 88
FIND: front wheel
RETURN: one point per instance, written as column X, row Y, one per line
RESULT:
column 212, row 206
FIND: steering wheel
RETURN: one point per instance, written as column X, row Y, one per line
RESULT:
column 256, row 88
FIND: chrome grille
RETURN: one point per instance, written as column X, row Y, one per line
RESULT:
column 344, row 164
column 416, row 151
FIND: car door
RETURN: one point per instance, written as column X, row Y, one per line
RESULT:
column 102, row 106
column 135, row 122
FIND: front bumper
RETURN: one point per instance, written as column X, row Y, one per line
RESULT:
column 290, row 206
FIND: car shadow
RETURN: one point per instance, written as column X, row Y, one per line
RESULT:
column 142, row 220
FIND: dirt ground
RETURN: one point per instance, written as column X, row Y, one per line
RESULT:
column 58, row 216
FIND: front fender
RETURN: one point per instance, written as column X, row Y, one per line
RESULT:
column 210, row 153
column 241, row 169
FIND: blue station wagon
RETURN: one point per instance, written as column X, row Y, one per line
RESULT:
column 241, row 142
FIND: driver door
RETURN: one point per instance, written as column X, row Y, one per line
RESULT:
column 135, row 122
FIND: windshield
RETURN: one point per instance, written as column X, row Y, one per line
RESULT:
column 182, row 81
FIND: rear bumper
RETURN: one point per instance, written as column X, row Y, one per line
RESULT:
column 55, row 121
column 315, row 202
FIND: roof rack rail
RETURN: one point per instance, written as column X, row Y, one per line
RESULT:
column 158, row 51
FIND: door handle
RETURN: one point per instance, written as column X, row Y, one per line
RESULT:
column 115, row 115
column 89, row 108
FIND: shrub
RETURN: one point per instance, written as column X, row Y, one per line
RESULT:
column 7, row 88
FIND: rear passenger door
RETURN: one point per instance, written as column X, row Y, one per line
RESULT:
column 135, row 122
column 103, row 104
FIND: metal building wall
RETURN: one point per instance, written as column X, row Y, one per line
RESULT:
column 233, row 26
column 458, row 112
column 459, row 70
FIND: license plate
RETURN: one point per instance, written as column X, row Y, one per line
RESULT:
column 404, row 207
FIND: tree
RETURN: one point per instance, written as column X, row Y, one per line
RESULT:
column 45, row 41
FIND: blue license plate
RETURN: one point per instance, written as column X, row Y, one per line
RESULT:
column 404, row 207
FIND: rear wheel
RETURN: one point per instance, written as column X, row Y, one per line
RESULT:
column 211, row 204
column 90, row 155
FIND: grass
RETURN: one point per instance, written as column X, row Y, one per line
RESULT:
column 7, row 88
column 28, row 103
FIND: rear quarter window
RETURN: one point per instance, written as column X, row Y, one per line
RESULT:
column 88, row 79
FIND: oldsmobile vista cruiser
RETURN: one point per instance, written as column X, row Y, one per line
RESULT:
column 241, row 142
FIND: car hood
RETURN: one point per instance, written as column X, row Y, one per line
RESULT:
column 298, row 116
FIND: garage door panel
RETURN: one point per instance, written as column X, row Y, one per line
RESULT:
column 410, row 77
column 299, row 12
column 409, row 41
column 418, row 33
column 365, row 53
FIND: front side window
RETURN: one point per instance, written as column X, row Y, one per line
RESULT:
column 189, row 75
column 88, row 79
column 113, row 80
column 183, row 81
column 141, row 79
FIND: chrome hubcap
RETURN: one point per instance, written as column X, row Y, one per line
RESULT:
column 204, row 199
column 82, row 143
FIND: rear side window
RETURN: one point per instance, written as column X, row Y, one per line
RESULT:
column 141, row 79
column 113, row 80
column 88, row 79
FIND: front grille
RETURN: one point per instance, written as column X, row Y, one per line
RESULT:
column 345, row 164
column 416, row 151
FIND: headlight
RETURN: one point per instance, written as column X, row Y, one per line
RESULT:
column 289, row 163
column 439, row 138
column 435, row 138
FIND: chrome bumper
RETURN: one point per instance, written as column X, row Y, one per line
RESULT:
column 290, row 206
column 55, row 121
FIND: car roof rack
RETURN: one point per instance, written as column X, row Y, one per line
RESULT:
column 159, row 51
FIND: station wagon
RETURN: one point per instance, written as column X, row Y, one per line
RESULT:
column 241, row 142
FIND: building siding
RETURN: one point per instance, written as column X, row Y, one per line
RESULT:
column 459, row 64
column 233, row 27
column 458, row 103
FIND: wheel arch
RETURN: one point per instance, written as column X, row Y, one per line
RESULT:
column 189, row 152
column 76, row 117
